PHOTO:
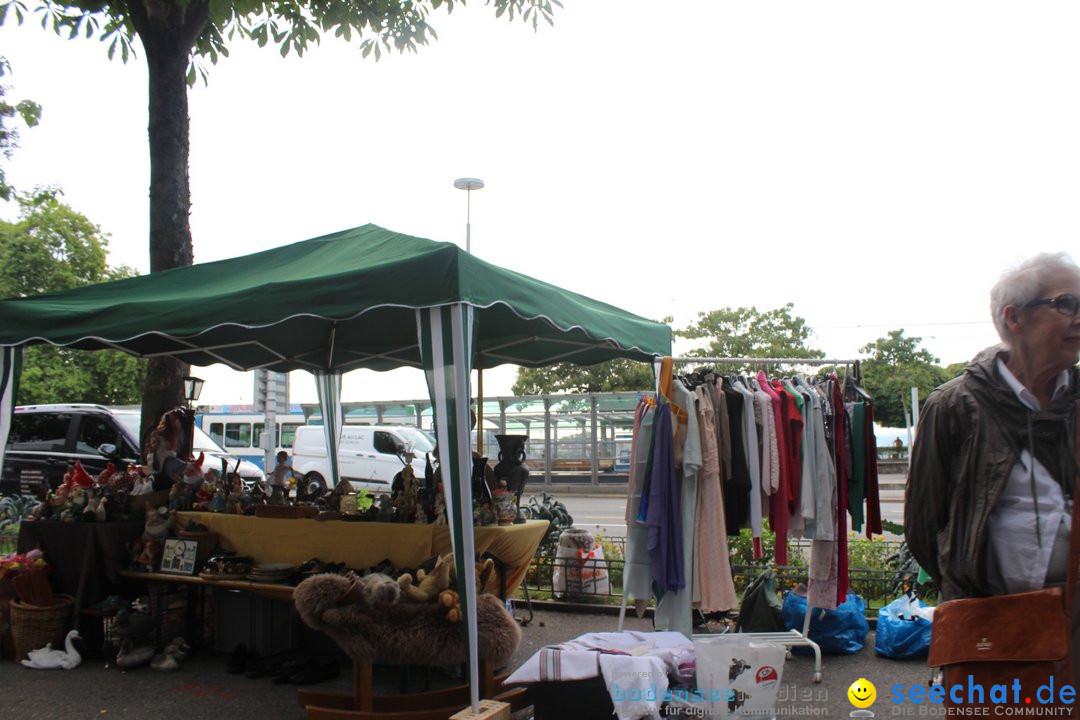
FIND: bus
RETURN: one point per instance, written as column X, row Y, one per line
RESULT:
column 239, row 429
column 623, row 441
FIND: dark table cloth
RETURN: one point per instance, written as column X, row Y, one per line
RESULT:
column 85, row 559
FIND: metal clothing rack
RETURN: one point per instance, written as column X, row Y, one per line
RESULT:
column 762, row 361
column 789, row 638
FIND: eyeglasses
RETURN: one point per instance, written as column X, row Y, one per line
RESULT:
column 1064, row 304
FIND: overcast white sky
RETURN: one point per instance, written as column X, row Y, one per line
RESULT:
column 877, row 164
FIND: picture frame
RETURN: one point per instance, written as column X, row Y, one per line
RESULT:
column 178, row 556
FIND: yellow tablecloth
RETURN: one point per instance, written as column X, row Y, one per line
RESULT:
column 363, row 544
column 514, row 545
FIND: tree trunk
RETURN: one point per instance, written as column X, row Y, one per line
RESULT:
column 168, row 31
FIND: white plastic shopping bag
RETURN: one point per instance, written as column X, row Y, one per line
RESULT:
column 580, row 568
column 737, row 678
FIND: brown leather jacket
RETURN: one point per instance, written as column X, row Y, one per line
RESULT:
column 971, row 433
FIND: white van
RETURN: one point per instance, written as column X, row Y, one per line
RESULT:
column 369, row 456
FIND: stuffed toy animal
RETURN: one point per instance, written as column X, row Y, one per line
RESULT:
column 429, row 585
column 484, row 569
column 372, row 590
column 451, row 598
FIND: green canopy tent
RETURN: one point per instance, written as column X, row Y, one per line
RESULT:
column 361, row 298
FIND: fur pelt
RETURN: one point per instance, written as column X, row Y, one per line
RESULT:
column 406, row 633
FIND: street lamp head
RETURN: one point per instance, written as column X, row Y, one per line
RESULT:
column 192, row 388
column 469, row 183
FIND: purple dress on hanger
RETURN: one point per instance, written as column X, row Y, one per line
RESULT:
column 663, row 519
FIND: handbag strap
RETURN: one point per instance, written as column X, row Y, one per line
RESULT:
column 1074, row 533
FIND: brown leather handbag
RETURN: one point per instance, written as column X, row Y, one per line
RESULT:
column 985, row 645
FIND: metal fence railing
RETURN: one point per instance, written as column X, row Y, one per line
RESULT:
column 600, row 581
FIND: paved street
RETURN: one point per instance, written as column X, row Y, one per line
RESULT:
column 202, row 690
column 606, row 514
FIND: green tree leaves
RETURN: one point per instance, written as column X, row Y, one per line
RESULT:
column 28, row 110
column 749, row 332
column 52, row 375
column 729, row 332
column 898, row 364
column 53, row 247
column 610, row 376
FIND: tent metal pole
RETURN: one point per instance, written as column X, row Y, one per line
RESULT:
column 479, row 407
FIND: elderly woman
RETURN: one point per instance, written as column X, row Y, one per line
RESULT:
column 992, row 469
column 990, row 488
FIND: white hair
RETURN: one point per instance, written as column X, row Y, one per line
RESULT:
column 1026, row 282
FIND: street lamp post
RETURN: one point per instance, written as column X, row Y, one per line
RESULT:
column 468, row 185
column 192, row 389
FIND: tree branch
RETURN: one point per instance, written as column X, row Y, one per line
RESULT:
column 165, row 21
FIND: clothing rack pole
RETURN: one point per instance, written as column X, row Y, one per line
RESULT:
column 792, row 637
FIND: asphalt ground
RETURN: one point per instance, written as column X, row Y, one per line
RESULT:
column 203, row 690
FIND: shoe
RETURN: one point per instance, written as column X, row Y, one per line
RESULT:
column 237, row 660
column 312, row 566
column 283, row 672
column 319, row 671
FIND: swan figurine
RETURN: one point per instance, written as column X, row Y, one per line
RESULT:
column 48, row 659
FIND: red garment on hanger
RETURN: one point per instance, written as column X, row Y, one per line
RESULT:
column 793, row 426
column 778, row 501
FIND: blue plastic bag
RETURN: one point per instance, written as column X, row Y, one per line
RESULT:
column 903, row 629
column 839, row 632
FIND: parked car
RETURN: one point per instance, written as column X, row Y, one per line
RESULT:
column 369, row 456
column 46, row 439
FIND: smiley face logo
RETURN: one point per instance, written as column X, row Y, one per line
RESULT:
column 862, row 693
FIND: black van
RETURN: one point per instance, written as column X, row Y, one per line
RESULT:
column 46, row 439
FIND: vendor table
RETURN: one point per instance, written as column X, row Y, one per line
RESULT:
column 364, row 544
column 84, row 558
